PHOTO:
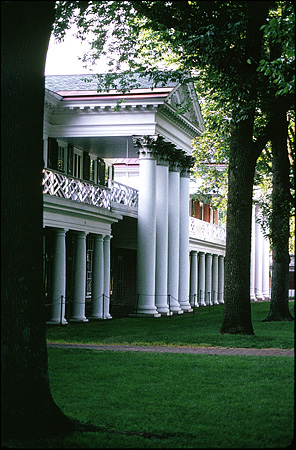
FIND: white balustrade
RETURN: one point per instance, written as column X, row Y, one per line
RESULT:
column 60, row 185
column 120, row 193
column 206, row 231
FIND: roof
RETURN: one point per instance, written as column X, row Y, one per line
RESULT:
column 64, row 83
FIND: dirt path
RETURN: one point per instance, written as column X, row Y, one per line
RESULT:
column 188, row 350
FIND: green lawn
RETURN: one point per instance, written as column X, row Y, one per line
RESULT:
column 173, row 400
column 158, row 400
column 198, row 329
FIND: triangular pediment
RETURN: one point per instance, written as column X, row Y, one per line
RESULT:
column 183, row 99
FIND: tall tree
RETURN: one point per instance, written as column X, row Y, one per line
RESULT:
column 27, row 404
column 279, row 63
column 227, row 40
column 279, row 224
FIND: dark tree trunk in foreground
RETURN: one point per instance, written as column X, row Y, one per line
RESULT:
column 27, row 404
column 279, row 304
column 237, row 307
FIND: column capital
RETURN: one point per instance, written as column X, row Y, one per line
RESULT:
column 176, row 158
column 99, row 237
column 61, row 231
column 80, row 233
column 187, row 162
column 146, row 146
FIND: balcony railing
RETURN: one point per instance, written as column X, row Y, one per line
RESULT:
column 120, row 193
column 207, row 231
column 60, row 185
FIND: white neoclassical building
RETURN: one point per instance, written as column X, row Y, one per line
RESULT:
column 121, row 234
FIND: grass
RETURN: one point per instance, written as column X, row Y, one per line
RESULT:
column 172, row 400
column 197, row 330
column 158, row 400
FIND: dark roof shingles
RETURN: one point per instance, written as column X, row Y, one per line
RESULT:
column 59, row 83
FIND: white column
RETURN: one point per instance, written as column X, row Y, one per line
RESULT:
column 221, row 279
column 59, row 278
column 208, row 284
column 193, row 279
column 215, row 280
column 184, row 242
column 97, row 279
column 106, row 299
column 201, row 279
column 161, row 270
column 258, row 259
column 265, row 268
column 79, row 279
column 173, row 236
column 252, row 269
column 146, row 253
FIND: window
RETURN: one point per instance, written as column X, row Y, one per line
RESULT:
column 61, row 159
column 77, row 163
column 201, row 211
column 92, row 171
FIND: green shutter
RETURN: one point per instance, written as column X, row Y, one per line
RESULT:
column 52, row 154
column 86, row 166
column 70, row 159
column 101, row 172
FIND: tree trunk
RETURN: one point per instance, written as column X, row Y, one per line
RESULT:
column 237, row 307
column 279, row 304
column 27, row 404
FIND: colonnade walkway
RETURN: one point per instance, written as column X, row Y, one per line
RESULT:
column 188, row 350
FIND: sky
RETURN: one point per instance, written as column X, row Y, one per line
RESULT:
column 62, row 58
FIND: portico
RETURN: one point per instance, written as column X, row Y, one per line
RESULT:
column 83, row 132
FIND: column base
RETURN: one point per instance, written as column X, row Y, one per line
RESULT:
column 56, row 322
column 168, row 313
column 203, row 304
column 216, row 302
column 179, row 311
column 142, row 314
column 186, row 307
column 78, row 319
column 187, row 310
column 221, row 302
column 146, row 310
column 163, row 310
column 97, row 318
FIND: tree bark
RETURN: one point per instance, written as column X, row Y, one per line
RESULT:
column 27, row 404
column 242, row 160
column 279, row 304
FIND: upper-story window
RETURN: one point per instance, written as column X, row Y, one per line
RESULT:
column 56, row 155
column 77, row 163
column 201, row 211
column 92, row 170
column 61, row 159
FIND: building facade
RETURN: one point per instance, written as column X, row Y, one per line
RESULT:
column 141, row 247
